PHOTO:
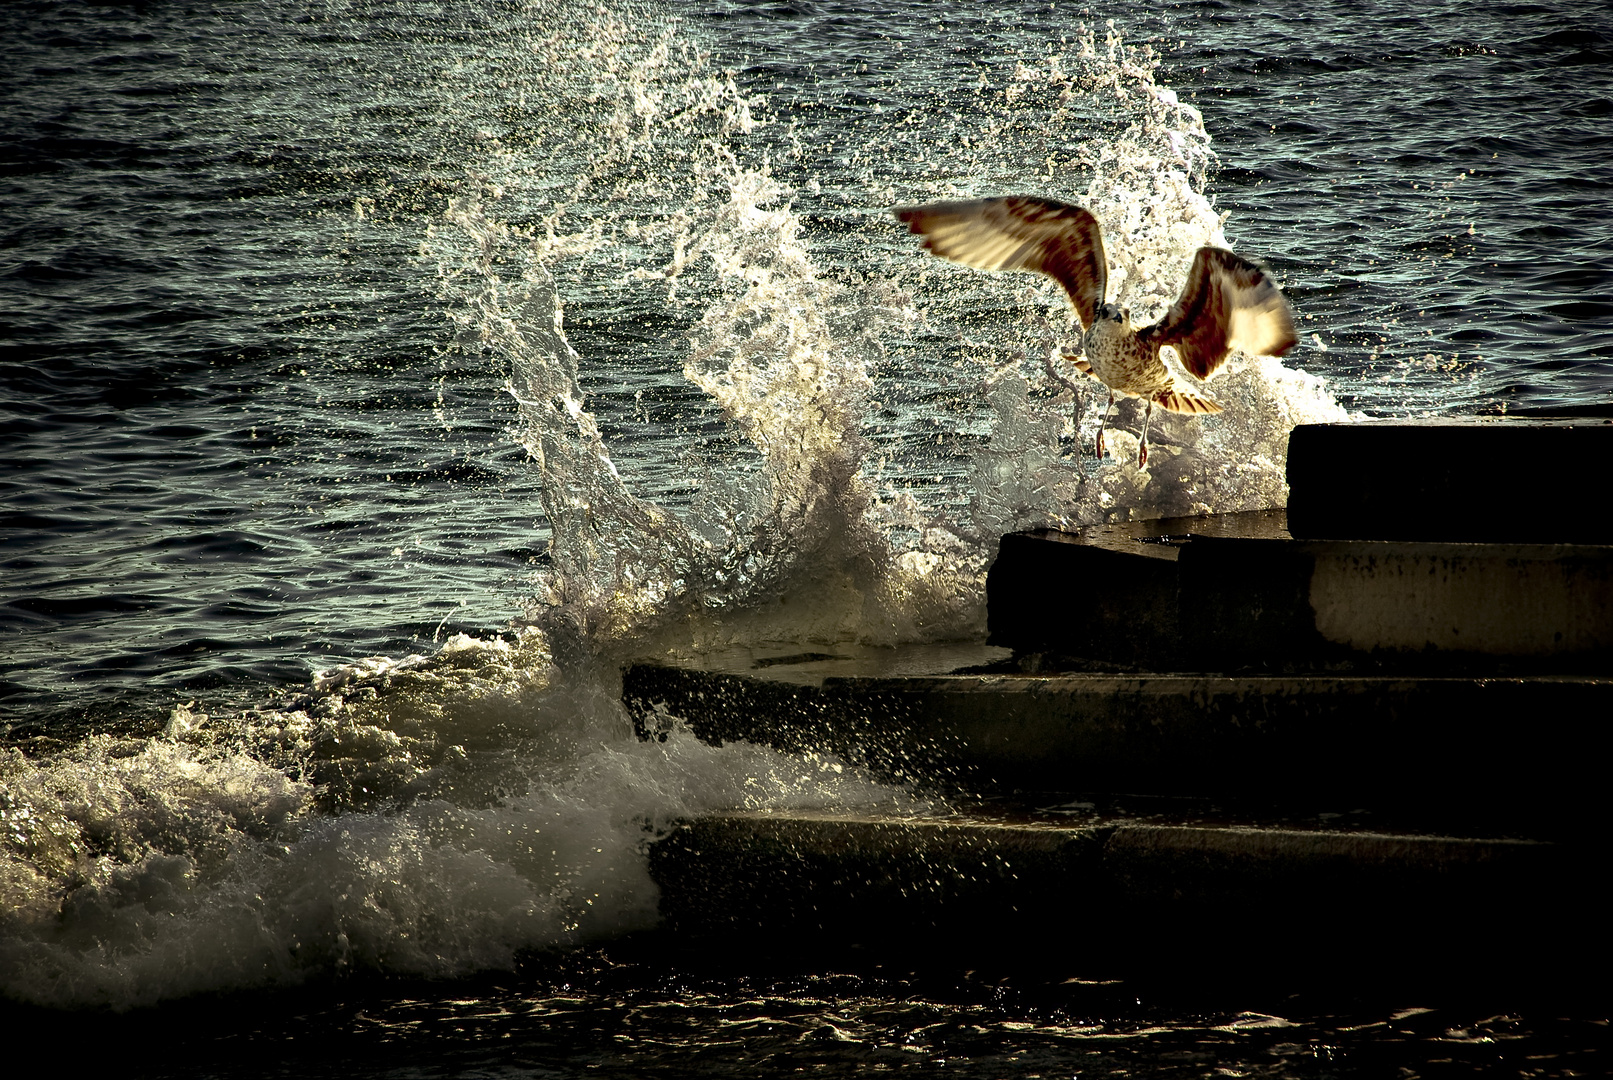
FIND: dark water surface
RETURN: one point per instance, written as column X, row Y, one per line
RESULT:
column 629, row 1012
column 221, row 463
column 255, row 423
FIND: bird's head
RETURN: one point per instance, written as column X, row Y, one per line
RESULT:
column 1115, row 313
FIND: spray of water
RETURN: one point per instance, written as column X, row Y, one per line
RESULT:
column 437, row 815
column 783, row 345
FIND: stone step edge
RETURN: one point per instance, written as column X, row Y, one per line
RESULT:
column 1516, row 755
column 839, row 831
column 1255, row 840
column 791, row 712
column 768, row 872
column 1108, row 682
column 1230, row 603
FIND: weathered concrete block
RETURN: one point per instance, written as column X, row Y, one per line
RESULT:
column 1368, row 872
column 868, row 876
column 1105, row 593
column 1251, row 603
column 1212, row 600
column 1502, row 753
column 1129, row 895
column 1043, row 596
column 1478, row 479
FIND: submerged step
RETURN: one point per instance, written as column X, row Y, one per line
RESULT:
column 1117, row 890
column 1450, row 480
column 1509, row 753
column 1237, row 593
column 865, row 873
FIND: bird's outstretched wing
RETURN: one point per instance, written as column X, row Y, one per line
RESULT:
column 1020, row 233
column 1228, row 303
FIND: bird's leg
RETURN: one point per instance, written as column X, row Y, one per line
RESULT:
column 1075, row 395
column 1075, row 424
column 1142, row 451
column 1104, row 423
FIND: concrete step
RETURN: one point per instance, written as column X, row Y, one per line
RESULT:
column 1236, row 592
column 1122, row 891
column 1477, row 479
column 1107, row 593
column 1522, row 754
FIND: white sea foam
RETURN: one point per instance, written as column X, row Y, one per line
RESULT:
column 268, row 848
column 436, row 815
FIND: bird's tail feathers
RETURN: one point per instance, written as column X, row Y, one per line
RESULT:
column 1081, row 363
column 1185, row 401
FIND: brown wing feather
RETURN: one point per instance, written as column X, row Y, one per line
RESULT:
column 1228, row 303
column 1020, row 233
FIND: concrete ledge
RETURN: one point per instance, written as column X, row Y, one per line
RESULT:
column 1232, row 865
column 1296, row 604
column 1123, row 892
column 1234, row 593
column 1105, row 593
column 865, row 874
column 1438, row 480
column 1525, row 753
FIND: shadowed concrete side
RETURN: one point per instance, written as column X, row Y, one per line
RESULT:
column 1126, row 895
column 1133, row 597
column 1430, row 607
column 1516, row 753
column 1441, row 480
column 862, row 876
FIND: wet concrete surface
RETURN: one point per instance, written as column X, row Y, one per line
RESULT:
column 1520, row 756
column 1366, row 733
column 1127, row 894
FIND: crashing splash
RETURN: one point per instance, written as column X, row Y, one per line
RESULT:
column 810, row 538
column 437, row 815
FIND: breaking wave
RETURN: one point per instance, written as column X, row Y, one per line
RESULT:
column 874, row 420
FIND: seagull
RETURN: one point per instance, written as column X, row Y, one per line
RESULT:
column 1228, row 302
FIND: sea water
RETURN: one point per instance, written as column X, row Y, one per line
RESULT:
column 383, row 376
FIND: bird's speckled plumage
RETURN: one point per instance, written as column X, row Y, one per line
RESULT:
column 1227, row 302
